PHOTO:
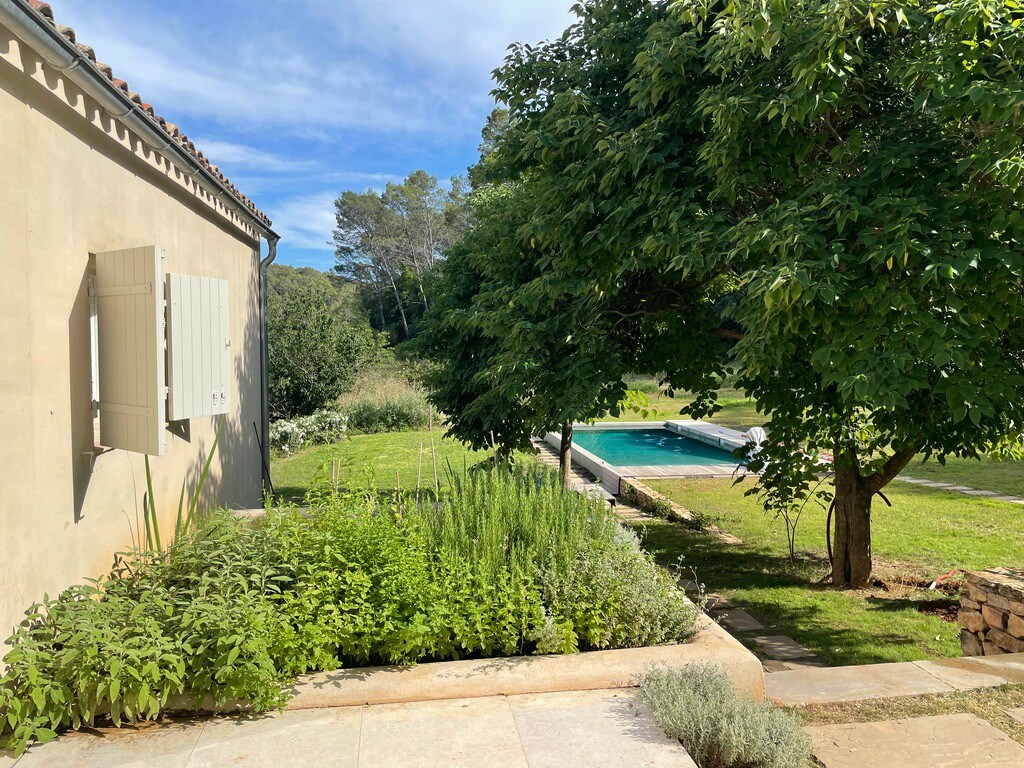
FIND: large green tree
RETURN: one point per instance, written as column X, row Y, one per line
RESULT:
column 314, row 351
column 389, row 242
column 512, row 359
column 855, row 166
column 520, row 355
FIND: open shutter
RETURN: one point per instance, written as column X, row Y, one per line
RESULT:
column 130, row 325
column 199, row 341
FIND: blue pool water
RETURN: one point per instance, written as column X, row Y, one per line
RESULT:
column 650, row 448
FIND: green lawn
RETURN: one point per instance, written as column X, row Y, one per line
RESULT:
column 381, row 460
column 923, row 535
column 988, row 474
column 737, row 411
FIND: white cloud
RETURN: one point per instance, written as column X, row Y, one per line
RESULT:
column 306, row 221
column 445, row 36
column 350, row 179
column 403, row 65
column 243, row 156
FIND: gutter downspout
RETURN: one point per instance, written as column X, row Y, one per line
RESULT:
column 268, row 486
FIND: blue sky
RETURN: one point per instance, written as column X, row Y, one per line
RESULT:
column 297, row 101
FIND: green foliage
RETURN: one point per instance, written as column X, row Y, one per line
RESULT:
column 373, row 415
column 699, row 706
column 850, row 170
column 389, row 242
column 506, row 563
column 342, row 294
column 314, row 353
column 184, row 521
column 321, row 428
column 518, row 354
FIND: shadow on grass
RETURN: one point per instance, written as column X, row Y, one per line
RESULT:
column 841, row 627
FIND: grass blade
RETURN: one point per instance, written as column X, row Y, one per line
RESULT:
column 202, row 480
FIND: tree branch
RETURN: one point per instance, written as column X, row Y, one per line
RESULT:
column 893, row 467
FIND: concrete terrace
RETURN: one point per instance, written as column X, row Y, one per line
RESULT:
column 597, row 729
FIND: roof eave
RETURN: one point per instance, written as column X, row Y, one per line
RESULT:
column 62, row 54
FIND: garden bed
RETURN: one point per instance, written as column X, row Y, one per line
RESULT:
column 504, row 564
column 473, row 678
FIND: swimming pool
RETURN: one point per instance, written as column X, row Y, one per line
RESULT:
column 650, row 448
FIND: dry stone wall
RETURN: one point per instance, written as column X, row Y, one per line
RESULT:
column 992, row 612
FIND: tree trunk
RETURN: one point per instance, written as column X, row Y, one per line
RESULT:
column 401, row 308
column 380, row 305
column 851, row 538
column 565, row 455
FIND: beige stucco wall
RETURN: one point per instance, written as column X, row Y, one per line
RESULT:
column 74, row 182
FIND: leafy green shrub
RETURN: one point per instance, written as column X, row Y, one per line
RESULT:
column 404, row 413
column 315, row 352
column 571, row 577
column 699, row 707
column 386, row 399
column 505, row 563
column 321, row 428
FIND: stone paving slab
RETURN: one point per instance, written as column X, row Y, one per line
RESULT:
column 771, row 666
column 589, row 729
column 149, row 746
column 878, row 681
column 964, row 489
column 783, row 648
column 963, row 674
column 593, row 729
column 282, row 740
column 1009, row 666
column 458, row 733
column 946, row 741
column 739, row 620
column 833, row 684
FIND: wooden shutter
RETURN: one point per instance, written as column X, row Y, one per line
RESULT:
column 130, row 324
column 199, row 343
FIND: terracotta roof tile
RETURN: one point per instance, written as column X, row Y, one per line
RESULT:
column 43, row 8
column 172, row 130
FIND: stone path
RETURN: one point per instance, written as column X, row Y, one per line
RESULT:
column 778, row 653
column 879, row 681
column 582, row 481
column 964, row 489
column 946, row 741
column 593, row 729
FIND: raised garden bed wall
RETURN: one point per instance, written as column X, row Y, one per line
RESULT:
column 992, row 612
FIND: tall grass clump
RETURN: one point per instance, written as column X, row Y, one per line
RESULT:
column 504, row 563
column 385, row 401
column 649, row 385
column 699, row 707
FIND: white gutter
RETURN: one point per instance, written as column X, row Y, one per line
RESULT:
column 63, row 55
column 268, row 485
